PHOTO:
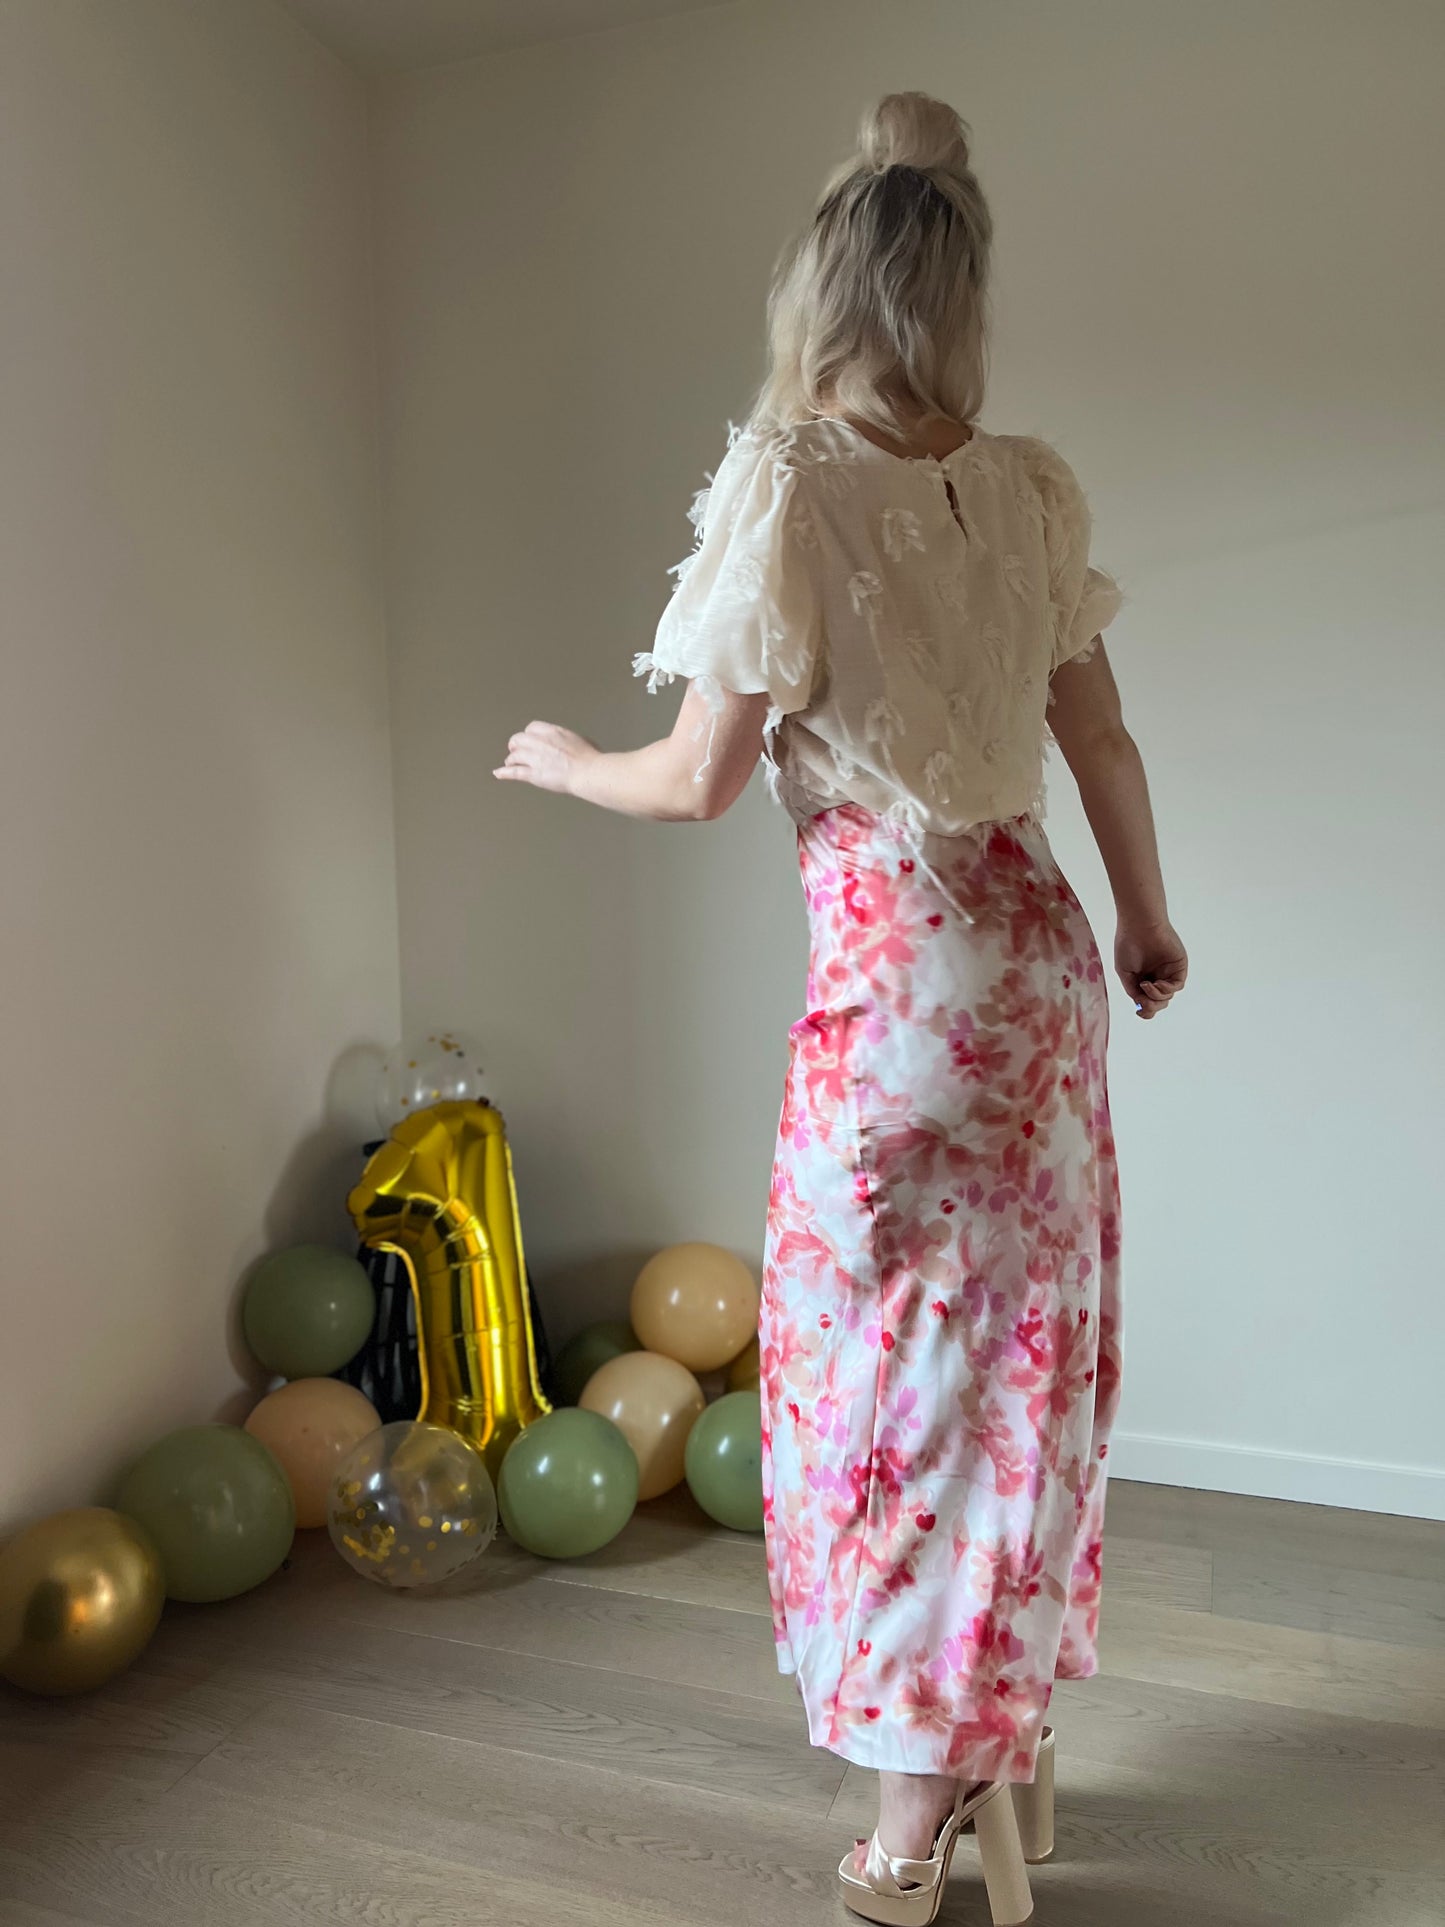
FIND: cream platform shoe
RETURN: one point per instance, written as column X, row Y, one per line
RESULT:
column 1034, row 1805
column 898, row 1892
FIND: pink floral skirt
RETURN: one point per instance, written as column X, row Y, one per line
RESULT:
column 940, row 1320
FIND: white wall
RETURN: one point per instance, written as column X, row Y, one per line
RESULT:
column 1218, row 291
column 197, row 904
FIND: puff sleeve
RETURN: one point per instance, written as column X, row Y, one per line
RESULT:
column 744, row 613
column 1083, row 601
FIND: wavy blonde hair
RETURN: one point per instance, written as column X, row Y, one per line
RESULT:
column 878, row 309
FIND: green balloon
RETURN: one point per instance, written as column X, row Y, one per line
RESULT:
column 218, row 1506
column 724, row 1461
column 568, row 1484
column 308, row 1311
column 581, row 1356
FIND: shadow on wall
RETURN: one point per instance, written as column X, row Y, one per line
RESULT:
column 308, row 1203
column 580, row 1293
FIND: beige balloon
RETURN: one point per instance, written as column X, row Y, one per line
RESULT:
column 745, row 1372
column 696, row 1303
column 654, row 1402
column 312, row 1425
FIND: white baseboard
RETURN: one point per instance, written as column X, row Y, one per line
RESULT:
column 1415, row 1491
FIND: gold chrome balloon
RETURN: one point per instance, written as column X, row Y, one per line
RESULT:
column 440, row 1194
column 80, row 1595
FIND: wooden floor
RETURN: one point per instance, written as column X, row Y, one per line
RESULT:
column 609, row 1742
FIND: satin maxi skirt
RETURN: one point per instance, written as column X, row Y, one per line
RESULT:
column 940, row 1317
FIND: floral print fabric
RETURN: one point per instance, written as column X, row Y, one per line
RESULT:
column 940, row 1320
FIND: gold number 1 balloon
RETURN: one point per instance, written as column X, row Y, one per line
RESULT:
column 440, row 1194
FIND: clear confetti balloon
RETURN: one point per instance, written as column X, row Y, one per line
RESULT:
column 412, row 1506
column 437, row 1067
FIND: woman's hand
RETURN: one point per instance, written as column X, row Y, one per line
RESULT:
column 1152, row 966
column 691, row 776
column 548, row 757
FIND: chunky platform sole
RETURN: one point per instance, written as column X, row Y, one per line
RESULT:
column 908, row 1893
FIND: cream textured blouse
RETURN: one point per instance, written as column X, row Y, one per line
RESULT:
column 903, row 614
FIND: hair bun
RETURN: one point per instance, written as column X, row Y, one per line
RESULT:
column 913, row 130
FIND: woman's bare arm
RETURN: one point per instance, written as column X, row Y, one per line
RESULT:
column 1088, row 724
column 691, row 776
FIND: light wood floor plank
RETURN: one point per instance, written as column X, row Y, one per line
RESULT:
column 20, row 1913
column 1282, row 1666
column 1154, row 1573
column 1191, row 1738
column 1309, row 1782
column 703, row 1737
column 655, row 1638
column 728, row 1861
column 196, row 1857
column 670, row 1550
column 1275, row 1528
column 1318, row 1597
column 145, row 1731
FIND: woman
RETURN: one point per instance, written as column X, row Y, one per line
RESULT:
column 884, row 602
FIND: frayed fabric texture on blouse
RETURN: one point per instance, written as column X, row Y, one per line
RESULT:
column 903, row 616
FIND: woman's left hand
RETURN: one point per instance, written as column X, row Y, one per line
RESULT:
column 548, row 757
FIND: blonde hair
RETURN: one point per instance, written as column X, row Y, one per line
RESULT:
column 878, row 309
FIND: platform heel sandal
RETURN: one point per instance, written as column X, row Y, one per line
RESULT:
column 1034, row 1805
column 1005, row 1876
column 898, row 1892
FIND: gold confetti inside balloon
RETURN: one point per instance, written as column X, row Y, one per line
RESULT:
column 80, row 1595
column 413, row 1505
column 439, row 1192
column 440, row 1067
